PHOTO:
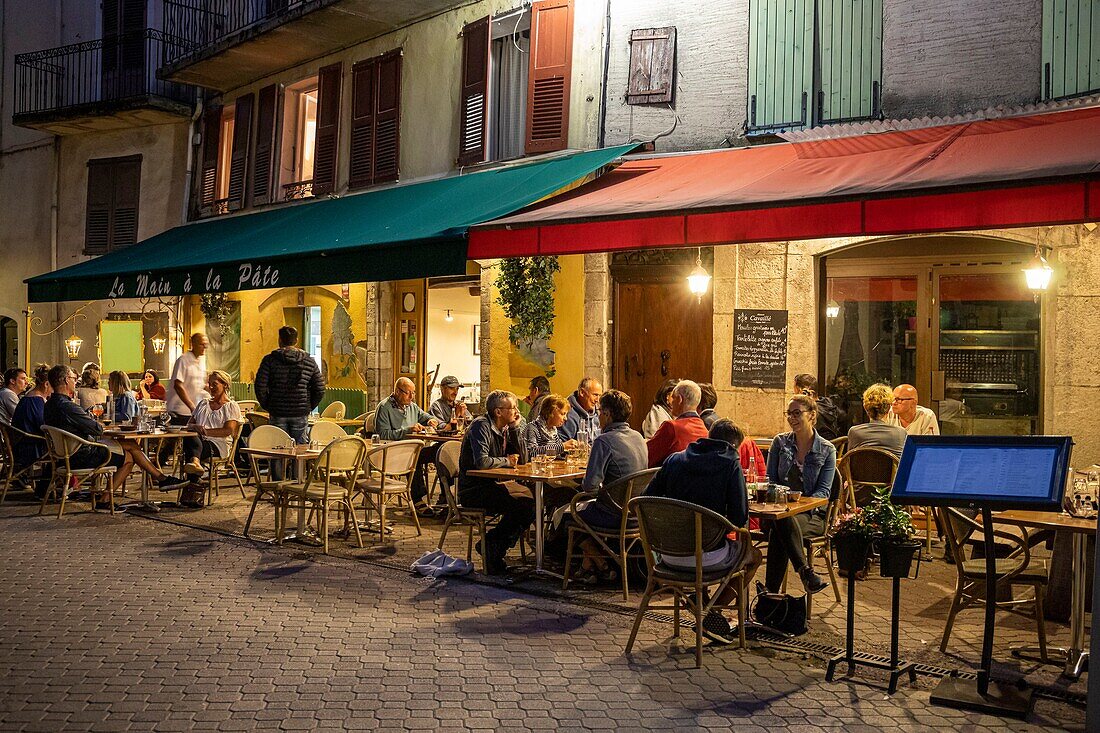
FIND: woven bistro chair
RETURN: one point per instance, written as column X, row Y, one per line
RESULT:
column 678, row 528
column 864, row 470
column 822, row 547
column 325, row 432
column 615, row 497
column 225, row 467
column 248, row 406
column 841, row 445
column 10, row 437
column 256, row 420
column 329, row 482
column 265, row 436
column 1017, row 568
column 387, row 476
column 61, row 446
column 335, row 411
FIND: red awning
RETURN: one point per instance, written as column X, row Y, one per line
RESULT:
column 1020, row 171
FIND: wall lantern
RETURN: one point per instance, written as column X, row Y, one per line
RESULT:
column 699, row 278
column 159, row 342
column 73, row 344
column 448, row 318
column 1038, row 273
column 832, row 309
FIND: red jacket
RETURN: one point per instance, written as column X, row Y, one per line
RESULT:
column 674, row 436
column 747, row 450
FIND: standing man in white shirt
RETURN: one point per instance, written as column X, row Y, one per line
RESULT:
column 186, row 387
column 906, row 413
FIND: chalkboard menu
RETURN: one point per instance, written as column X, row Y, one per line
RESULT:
column 759, row 349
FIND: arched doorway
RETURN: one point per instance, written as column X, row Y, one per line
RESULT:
column 9, row 343
column 956, row 321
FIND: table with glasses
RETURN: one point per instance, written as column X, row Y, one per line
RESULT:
column 143, row 437
column 786, row 509
column 1076, row 657
column 301, row 454
column 537, row 475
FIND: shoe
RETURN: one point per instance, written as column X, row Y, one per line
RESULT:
column 169, row 483
column 103, row 506
column 717, row 628
column 194, row 468
column 812, row 582
column 495, row 565
column 424, row 510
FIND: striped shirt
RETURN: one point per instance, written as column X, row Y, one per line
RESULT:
column 542, row 440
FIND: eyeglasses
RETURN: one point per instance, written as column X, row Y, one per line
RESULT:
column 904, row 399
column 795, row 413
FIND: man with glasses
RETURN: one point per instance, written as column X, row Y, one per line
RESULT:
column 907, row 414
column 398, row 417
column 493, row 441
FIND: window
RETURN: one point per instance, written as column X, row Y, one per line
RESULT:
column 1071, row 48
column 652, row 66
column 114, row 186
column 813, row 62
column 516, row 71
column 375, row 120
column 225, row 155
column 299, row 138
column 311, row 333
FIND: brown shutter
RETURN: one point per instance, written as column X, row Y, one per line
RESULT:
column 474, row 99
column 97, row 228
column 361, row 156
column 127, row 191
column 208, row 171
column 387, row 118
column 652, row 63
column 238, row 160
column 548, row 76
column 264, row 157
column 328, row 129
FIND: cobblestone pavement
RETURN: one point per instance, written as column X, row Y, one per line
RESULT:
column 122, row 623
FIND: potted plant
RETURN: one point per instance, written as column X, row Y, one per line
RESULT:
column 894, row 530
column 852, row 535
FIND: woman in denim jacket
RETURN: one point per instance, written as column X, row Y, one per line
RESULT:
column 803, row 461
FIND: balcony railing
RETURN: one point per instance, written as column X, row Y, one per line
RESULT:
column 200, row 23
column 94, row 73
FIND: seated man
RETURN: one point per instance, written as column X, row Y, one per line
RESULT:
column 915, row 419
column 686, row 426
column 583, row 422
column 398, row 418
column 15, row 381
column 63, row 413
column 447, row 409
column 536, row 390
column 708, row 474
column 493, row 441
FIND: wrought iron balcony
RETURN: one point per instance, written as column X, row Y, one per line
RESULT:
column 224, row 44
column 95, row 85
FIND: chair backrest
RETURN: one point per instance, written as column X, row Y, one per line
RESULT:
column 60, row 444
column 446, row 461
column 340, row 460
column 256, row 419
column 326, row 432
column 234, row 443
column 248, row 405
column 335, row 410
column 395, row 459
column 368, row 421
column 674, row 527
column 7, row 457
column 841, row 445
column 617, row 494
column 269, row 436
column 867, row 469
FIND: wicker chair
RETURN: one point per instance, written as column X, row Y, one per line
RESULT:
column 1015, row 569
column 615, row 497
column 387, row 475
column 822, row 547
column 335, row 411
column 865, row 470
column 329, row 482
column 9, row 472
column 325, row 432
column 841, row 445
column 248, row 406
column 256, row 420
column 265, row 436
column 61, row 446
column 679, row 528
column 223, row 467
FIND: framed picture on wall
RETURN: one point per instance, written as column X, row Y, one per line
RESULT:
column 477, row 339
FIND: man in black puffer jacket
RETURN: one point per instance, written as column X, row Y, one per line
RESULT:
column 289, row 385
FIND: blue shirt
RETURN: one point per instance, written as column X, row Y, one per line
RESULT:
column 579, row 418
column 618, row 451
column 125, row 407
column 818, row 468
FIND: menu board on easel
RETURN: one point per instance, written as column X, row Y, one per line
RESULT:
column 759, row 349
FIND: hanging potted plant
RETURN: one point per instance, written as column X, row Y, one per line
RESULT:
column 852, row 535
column 895, row 532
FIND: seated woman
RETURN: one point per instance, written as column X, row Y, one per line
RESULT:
column 216, row 420
column 878, row 400
column 122, row 394
column 541, row 434
column 88, row 392
column 660, row 412
column 804, row 461
column 707, row 404
column 29, row 416
column 150, row 388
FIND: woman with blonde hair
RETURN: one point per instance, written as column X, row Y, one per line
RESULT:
column 878, row 399
column 122, row 394
column 216, row 419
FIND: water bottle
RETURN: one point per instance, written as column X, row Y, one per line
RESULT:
column 751, row 475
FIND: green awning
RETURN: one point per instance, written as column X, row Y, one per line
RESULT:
column 406, row 231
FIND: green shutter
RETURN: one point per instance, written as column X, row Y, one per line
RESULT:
column 850, row 52
column 1071, row 48
column 780, row 63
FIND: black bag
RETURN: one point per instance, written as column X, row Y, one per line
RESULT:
column 779, row 612
column 830, row 419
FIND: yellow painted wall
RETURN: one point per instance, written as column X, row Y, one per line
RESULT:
column 509, row 371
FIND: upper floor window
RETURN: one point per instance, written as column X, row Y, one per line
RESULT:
column 225, row 154
column 1071, row 48
column 516, row 72
column 374, row 153
column 114, row 191
column 813, row 62
column 298, row 147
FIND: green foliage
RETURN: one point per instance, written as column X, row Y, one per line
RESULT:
column 881, row 519
column 526, row 286
column 854, row 524
column 215, row 308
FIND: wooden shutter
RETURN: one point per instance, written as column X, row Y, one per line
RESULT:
column 328, row 129
column 850, row 52
column 361, row 156
column 127, row 196
column 781, row 38
column 264, row 157
column 387, row 118
column 1070, row 48
column 238, row 160
column 652, row 65
column 208, row 171
column 97, row 227
column 548, row 75
column 474, row 98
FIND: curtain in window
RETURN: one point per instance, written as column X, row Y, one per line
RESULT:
column 508, row 110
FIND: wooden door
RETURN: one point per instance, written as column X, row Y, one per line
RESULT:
column 661, row 331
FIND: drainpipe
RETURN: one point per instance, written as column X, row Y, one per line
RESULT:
column 603, row 82
column 55, row 205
